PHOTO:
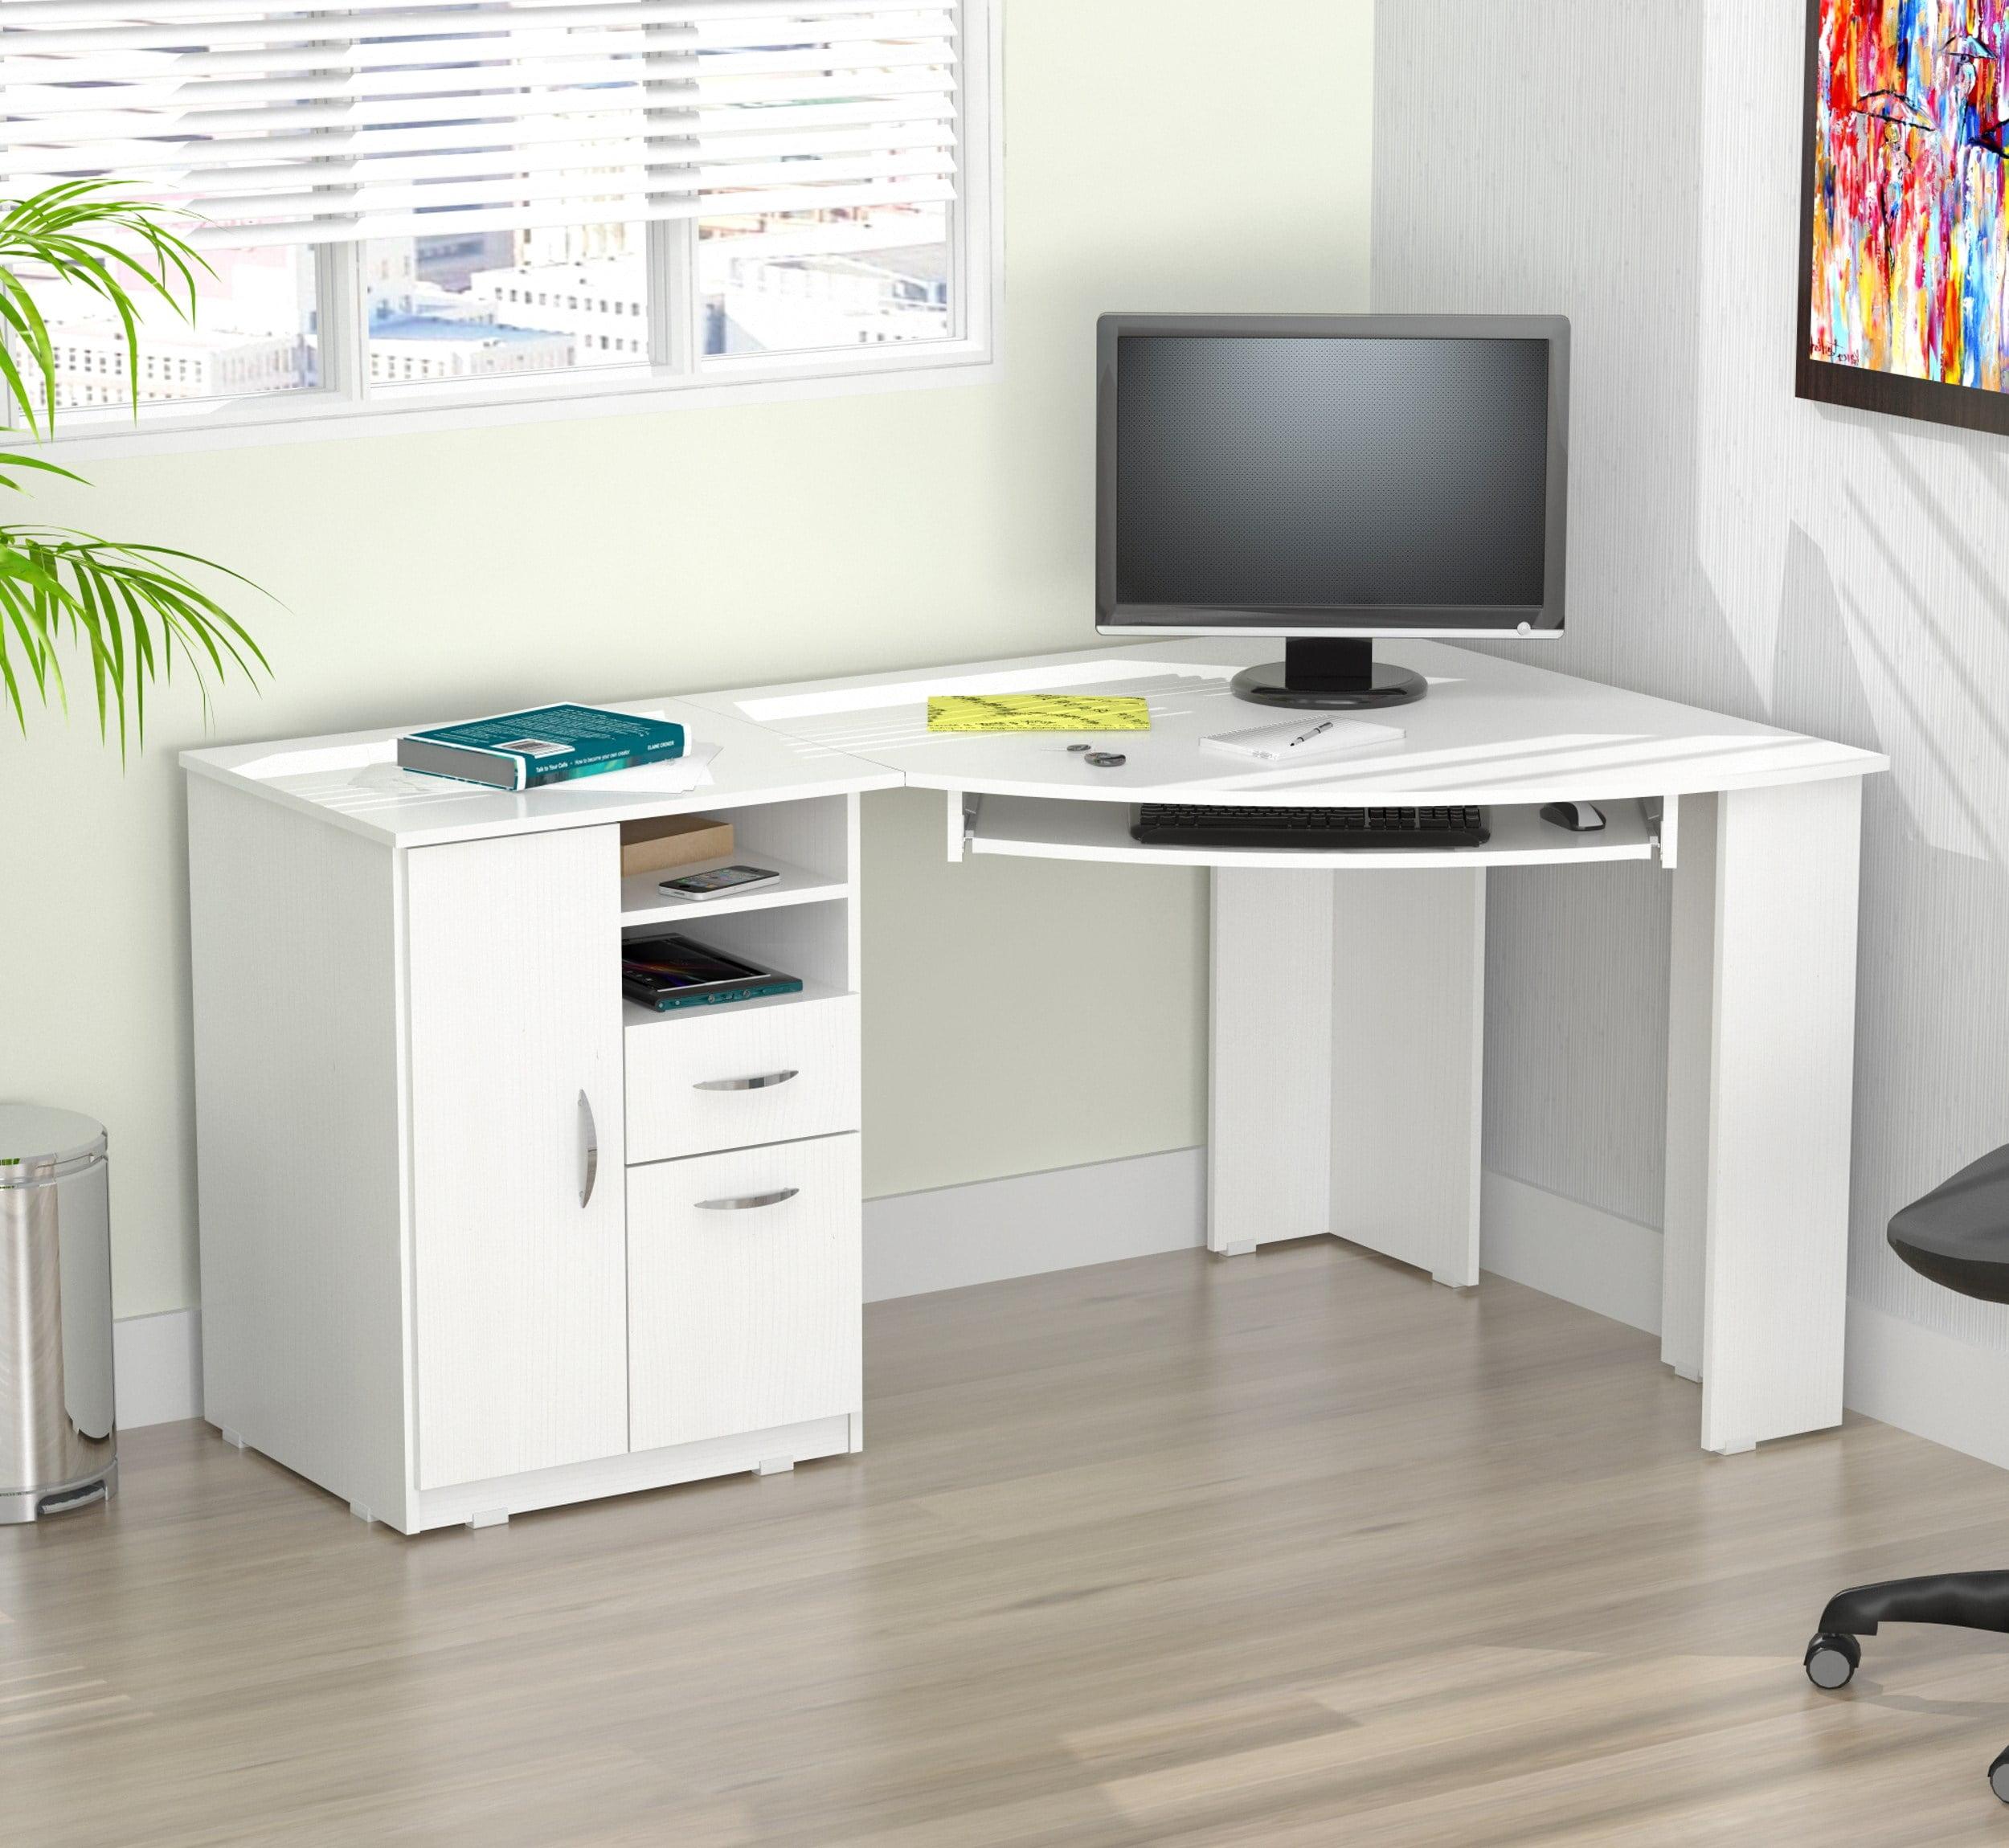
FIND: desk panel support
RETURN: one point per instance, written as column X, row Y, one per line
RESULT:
column 1349, row 1020
column 1761, row 1065
column 1270, row 1084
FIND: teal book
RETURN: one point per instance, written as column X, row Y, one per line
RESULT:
column 663, row 1002
column 548, row 744
column 678, row 971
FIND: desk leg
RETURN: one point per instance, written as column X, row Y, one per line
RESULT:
column 1410, row 1021
column 1349, row 1016
column 1269, row 1076
column 1761, row 1066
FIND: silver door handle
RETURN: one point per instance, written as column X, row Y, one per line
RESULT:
column 589, row 1137
column 749, row 1199
column 759, row 1084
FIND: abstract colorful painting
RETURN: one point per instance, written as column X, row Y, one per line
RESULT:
column 1905, row 293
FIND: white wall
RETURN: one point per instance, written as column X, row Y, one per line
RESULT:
column 1154, row 161
column 1638, row 169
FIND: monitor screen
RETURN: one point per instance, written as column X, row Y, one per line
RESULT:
column 1368, row 482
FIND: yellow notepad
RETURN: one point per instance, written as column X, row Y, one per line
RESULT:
column 1037, row 712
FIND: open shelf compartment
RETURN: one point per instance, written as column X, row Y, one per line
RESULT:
column 642, row 903
column 811, row 844
column 804, row 924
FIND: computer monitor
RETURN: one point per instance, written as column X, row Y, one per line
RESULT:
column 1328, row 479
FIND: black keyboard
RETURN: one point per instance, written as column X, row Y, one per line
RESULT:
column 1315, row 830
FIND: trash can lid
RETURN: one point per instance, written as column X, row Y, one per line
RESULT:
column 31, row 1134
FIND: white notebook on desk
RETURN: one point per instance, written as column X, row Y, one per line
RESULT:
column 1300, row 740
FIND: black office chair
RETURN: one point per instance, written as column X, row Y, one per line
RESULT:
column 1958, row 1236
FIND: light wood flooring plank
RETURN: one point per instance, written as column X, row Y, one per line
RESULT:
column 1289, row 1549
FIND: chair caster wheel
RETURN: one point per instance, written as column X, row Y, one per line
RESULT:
column 1832, row 1662
column 1999, row 1775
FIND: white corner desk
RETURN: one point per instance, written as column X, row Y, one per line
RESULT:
column 479, row 1236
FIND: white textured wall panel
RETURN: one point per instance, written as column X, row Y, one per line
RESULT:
column 1569, row 950
column 1637, row 168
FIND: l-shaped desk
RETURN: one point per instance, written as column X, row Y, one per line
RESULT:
column 423, row 1289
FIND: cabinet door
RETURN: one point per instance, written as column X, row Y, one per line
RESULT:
column 519, row 1231
column 743, row 1286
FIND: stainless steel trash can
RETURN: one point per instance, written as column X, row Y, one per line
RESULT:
column 59, row 1446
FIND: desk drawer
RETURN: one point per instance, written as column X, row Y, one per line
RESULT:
column 743, row 1291
column 730, row 1078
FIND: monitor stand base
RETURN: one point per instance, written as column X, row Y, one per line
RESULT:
column 1340, row 675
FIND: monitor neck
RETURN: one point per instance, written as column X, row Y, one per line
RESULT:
column 1335, row 663
column 1325, row 672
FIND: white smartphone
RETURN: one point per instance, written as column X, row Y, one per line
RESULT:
column 717, row 883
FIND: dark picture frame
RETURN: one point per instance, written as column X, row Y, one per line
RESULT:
column 1863, row 388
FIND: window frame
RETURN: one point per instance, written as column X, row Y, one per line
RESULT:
column 677, row 372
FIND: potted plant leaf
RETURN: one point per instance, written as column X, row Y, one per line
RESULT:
column 131, row 610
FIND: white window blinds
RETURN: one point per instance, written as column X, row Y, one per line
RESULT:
column 387, row 118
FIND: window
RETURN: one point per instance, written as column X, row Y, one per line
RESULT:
column 792, row 282
column 458, row 302
column 253, row 335
column 432, row 207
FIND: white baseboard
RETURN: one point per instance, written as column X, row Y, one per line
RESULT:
column 1928, row 1383
column 1026, row 1223
column 157, row 1361
column 1563, row 1248
column 1931, row 1384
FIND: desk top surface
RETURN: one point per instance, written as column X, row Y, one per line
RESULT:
column 1490, row 731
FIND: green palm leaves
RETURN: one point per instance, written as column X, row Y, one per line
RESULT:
column 132, row 611
column 89, row 233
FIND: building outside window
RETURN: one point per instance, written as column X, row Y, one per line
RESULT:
column 518, row 208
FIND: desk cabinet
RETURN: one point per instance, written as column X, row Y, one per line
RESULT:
column 478, row 1235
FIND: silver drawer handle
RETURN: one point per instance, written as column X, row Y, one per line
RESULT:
column 759, row 1084
column 749, row 1199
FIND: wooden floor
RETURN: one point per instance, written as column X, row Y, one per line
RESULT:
column 1290, row 1549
